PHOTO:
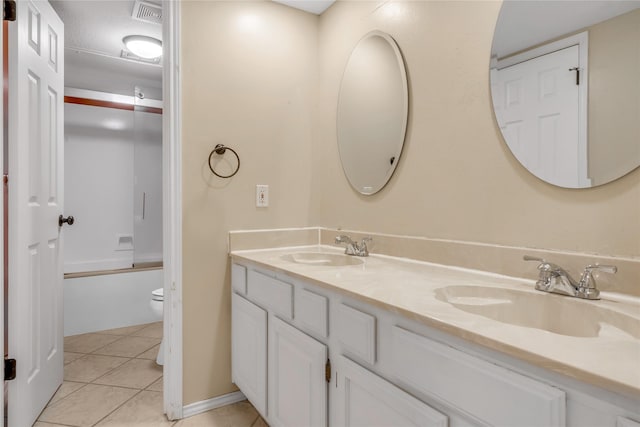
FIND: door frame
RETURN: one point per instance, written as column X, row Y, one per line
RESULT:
column 172, row 211
column 172, row 222
column 2, row 237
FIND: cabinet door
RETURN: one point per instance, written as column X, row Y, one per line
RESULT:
column 480, row 389
column 297, row 384
column 249, row 351
column 364, row 399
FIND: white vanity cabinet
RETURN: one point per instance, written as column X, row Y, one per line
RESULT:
column 386, row 369
column 284, row 372
column 280, row 369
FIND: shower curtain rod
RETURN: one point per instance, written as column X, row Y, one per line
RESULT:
column 111, row 100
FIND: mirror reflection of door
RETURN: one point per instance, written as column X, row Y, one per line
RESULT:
column 539, row 111
column 609, row 31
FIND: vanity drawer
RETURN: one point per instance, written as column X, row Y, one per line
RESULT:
column 312, row 312
column 357, row 333
column 239, row 278
column 485, row 391
column 271, row 293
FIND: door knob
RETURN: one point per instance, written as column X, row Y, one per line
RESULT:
column 61, row 220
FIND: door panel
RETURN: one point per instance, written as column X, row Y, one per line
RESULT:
column 249, row 351
column 36, row 85
column 539, row 110
column 297, row 384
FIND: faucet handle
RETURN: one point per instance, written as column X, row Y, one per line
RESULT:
column 587, row 285
column 612, row 269
column 547, row 272
column 351, row 245
column 362, row 247
column 545, row 265
column 343, row 238
column 533, row 258
column 587, row 281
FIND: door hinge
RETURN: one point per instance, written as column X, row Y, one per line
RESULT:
column 327, row 371
column 9, row 369
column 9, row 10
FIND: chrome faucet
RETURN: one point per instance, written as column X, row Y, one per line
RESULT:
column 354, row 248
column 553, row 278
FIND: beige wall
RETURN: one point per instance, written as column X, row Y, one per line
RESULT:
column 614, row 97
column 248, row 76
column 254, row 91
column 456, row 179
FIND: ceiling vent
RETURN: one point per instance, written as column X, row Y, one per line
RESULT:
column 147, row 12
column 130, row 56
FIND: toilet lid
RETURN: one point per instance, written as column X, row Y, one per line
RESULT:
column 158, row 293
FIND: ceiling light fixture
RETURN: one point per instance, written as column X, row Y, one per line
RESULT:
column 143, row 46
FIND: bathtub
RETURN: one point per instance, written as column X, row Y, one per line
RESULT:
column 109, row 299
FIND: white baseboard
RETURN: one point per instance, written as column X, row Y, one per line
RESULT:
column 216, row 402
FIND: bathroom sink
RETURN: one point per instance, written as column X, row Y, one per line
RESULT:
column 324, row 259
column 552, row 313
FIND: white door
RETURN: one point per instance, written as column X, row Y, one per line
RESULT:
column 2, row 237
column 539, row 112
column 297, row 384
column 366, row 400
column 249, row 351
column 36, row 92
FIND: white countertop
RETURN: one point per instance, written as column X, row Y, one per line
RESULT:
column 610, row 360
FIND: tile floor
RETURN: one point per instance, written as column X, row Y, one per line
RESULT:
column 111, row 379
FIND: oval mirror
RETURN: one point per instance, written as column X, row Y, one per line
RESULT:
column 372, row 113
column 565, row 88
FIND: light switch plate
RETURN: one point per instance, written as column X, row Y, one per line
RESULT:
column 262, row 196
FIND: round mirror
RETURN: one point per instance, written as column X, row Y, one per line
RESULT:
column 566, row 89
column 372, row 114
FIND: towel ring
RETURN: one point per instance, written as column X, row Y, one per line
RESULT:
column 220, row 149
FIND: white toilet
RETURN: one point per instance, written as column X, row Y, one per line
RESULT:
column 156, row 303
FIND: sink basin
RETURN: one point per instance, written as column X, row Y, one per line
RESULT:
column 552, row 313
column 324, row 259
